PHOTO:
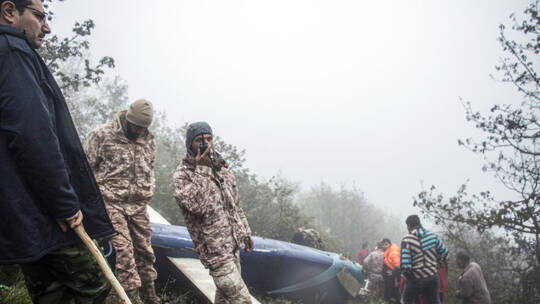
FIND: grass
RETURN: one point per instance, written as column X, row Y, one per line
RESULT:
column 13, row 290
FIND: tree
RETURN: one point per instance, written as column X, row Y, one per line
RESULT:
column 502, row 264
column 61, row 53
column 268, row 205
column 170, row 149
column 345, row 216
column 511, row 147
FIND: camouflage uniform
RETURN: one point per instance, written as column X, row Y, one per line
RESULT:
column 308, row 237
column 124, row 170
column 67, row 275
column 208, row 198
column 373, row 265
column 230, row 286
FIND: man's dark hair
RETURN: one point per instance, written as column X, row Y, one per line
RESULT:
column 365, row 245
column 413, row 221
column 20, row 5
column 386, row 240
column 463, row 256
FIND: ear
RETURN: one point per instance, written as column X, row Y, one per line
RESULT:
column 8, row 13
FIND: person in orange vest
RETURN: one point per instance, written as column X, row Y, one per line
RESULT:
column 391, row 271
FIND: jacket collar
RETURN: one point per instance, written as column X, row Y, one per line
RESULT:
column 419, row 232
column 11, row 30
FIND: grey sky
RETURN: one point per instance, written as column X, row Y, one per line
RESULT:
column 345, row 92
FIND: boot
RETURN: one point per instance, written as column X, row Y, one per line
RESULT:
column 133, row 295
column 148, row 293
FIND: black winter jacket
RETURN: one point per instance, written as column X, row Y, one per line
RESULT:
column 44, row 173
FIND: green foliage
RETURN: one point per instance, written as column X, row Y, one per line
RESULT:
column 269, row 206
column 13, row 289
column 502, row 265
column 511, row 147
column 59, row 53
column 347, row 219
column 170, row 149
column 91, row 99
column 94, row 106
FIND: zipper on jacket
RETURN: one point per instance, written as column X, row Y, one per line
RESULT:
column 134, row 173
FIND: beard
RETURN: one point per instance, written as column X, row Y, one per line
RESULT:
column 130, row 135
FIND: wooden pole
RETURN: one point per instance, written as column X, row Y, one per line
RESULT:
column 102, row 263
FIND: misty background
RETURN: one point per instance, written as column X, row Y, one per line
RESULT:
column 333, row 115
column 361, row 94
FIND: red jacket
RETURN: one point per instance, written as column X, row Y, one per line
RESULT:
column 362, row 254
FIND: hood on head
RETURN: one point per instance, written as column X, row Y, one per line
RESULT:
column 193, row 130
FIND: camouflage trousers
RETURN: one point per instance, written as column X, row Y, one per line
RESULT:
column 67, row 275
column 231, row 289
column 134, row 254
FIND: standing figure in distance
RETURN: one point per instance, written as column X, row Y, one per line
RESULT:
column 207, row 194
column 121, row 154
column 373, row 265
column 390, row 272
column 363, row 253
column 472, row 287
column 421, row 254
column 308, row 237
column 46, row 184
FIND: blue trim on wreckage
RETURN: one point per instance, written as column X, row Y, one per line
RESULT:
column 337, row 265
column 176, row 239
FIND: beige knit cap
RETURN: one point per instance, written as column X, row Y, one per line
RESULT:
column 140, row 113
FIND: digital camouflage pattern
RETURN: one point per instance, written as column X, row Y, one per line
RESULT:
column 67, row 275
column 230, row 286
column 373, row 265
column 124, row 169
column 308, row 237
column 134, row 254
column 212, row 213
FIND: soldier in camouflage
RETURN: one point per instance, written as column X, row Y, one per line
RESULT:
column 308, row 237
column 373, row 266
column 121, row 154
column 207, row 194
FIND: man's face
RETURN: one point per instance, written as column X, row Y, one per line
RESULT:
column 198, row 140
column 460, row 263
column 385, row 245
column 135, row 131
column 33, row 22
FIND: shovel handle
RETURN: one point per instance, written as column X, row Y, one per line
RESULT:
column 102, row 263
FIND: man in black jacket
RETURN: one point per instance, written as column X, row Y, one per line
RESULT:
column 46, row 184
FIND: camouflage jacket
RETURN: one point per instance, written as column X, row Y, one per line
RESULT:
column 124, row 169
column 209, row 202
column 373, row 265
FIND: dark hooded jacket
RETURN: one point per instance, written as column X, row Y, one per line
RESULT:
column 44, row 172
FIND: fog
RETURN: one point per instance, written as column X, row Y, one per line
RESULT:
column 355, row 93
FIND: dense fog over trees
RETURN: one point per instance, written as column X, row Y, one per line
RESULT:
column 501, row 234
